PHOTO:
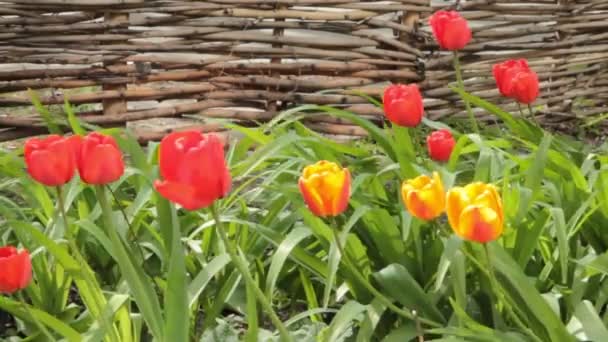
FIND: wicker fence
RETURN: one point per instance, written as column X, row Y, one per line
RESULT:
column 124, row 61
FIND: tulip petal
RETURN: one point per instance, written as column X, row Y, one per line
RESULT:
column 101, row 164
column 183, row 194
column 417, row 203
column 341, row 202
column 51, row 160
column 172, row 148
column 456, row 200
column 25, row 269
column 311, row 197
column 481, row 224
column 16, row 270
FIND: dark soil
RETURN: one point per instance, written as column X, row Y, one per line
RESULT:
column 7, row 324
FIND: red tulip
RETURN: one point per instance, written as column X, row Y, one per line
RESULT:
column 450, row 29
column 15, row 269
column 51, row 160
column 440, row 144
column 403, row 104
column 516, row 80
column 99, row 159
column 193, row 168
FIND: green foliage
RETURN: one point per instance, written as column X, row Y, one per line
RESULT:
column 128, row 266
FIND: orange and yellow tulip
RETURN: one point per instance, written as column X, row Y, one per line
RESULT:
column 424, row 197
column 475, row 212
column 325, row 187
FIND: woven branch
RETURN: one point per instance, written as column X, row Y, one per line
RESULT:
column 269, row 55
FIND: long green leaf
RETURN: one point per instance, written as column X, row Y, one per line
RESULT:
column 19, row 310
column 394, row 278
column 198, row 284
column 177, row 313
column 139, row 284
column 594, row 327
column 49, row 121
column 543, row 320
column 280, row 256
column 350, row 312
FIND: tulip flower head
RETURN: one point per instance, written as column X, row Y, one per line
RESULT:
column 450, row 29
column 193, row 169
column 403, row 104
column 440, row 144
column 423, row 196
column 475, row 212
column 15, row 269
column 51, row 160
column 99, row 159
column 325, row 187
column 516, row 80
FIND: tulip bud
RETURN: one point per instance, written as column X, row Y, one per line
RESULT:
column 440, row 145
column 193, row 169
column 516, row 80
column 325, row 187
column 450, row 29
column 15, row 269
column 51, row 160
column 475, row 212
column 403, row 105
column 99, row 159
column 423, row 196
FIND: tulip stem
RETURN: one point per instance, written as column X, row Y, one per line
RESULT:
column 521, row 112
column 494, row 284
column 39, row 325
column 532, row 114
column 461, row 86
column 131, row 232
column 241, row 265
column 354, row 270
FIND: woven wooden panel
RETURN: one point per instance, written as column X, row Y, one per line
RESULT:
column 245, row 60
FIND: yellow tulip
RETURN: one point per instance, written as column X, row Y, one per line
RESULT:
column 325, row 187
column 475, row 212
column 424, row 197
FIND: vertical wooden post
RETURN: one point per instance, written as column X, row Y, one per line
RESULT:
column 410, row 19
column 118, row 105
column 272, row 106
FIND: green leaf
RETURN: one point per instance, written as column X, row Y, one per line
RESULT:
column 534, row 175
column 30, row 314
column 542, row 320
column 44, row 113
column 99, row 330
column 197, row 286
column 334, row 256
column 252, row 315
column 72, row 119
column 405, row 150
column 592, row 324
column 280, row 256
column 451, row 248
column 559, row 222
column 374, row 131
column 528, row 237
column 177, row 313
column 139, row 284
column 394, row 278
column 371, row 320
column 223, row 332
column 350, row 312
column 518, row 126
column 405, row 332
